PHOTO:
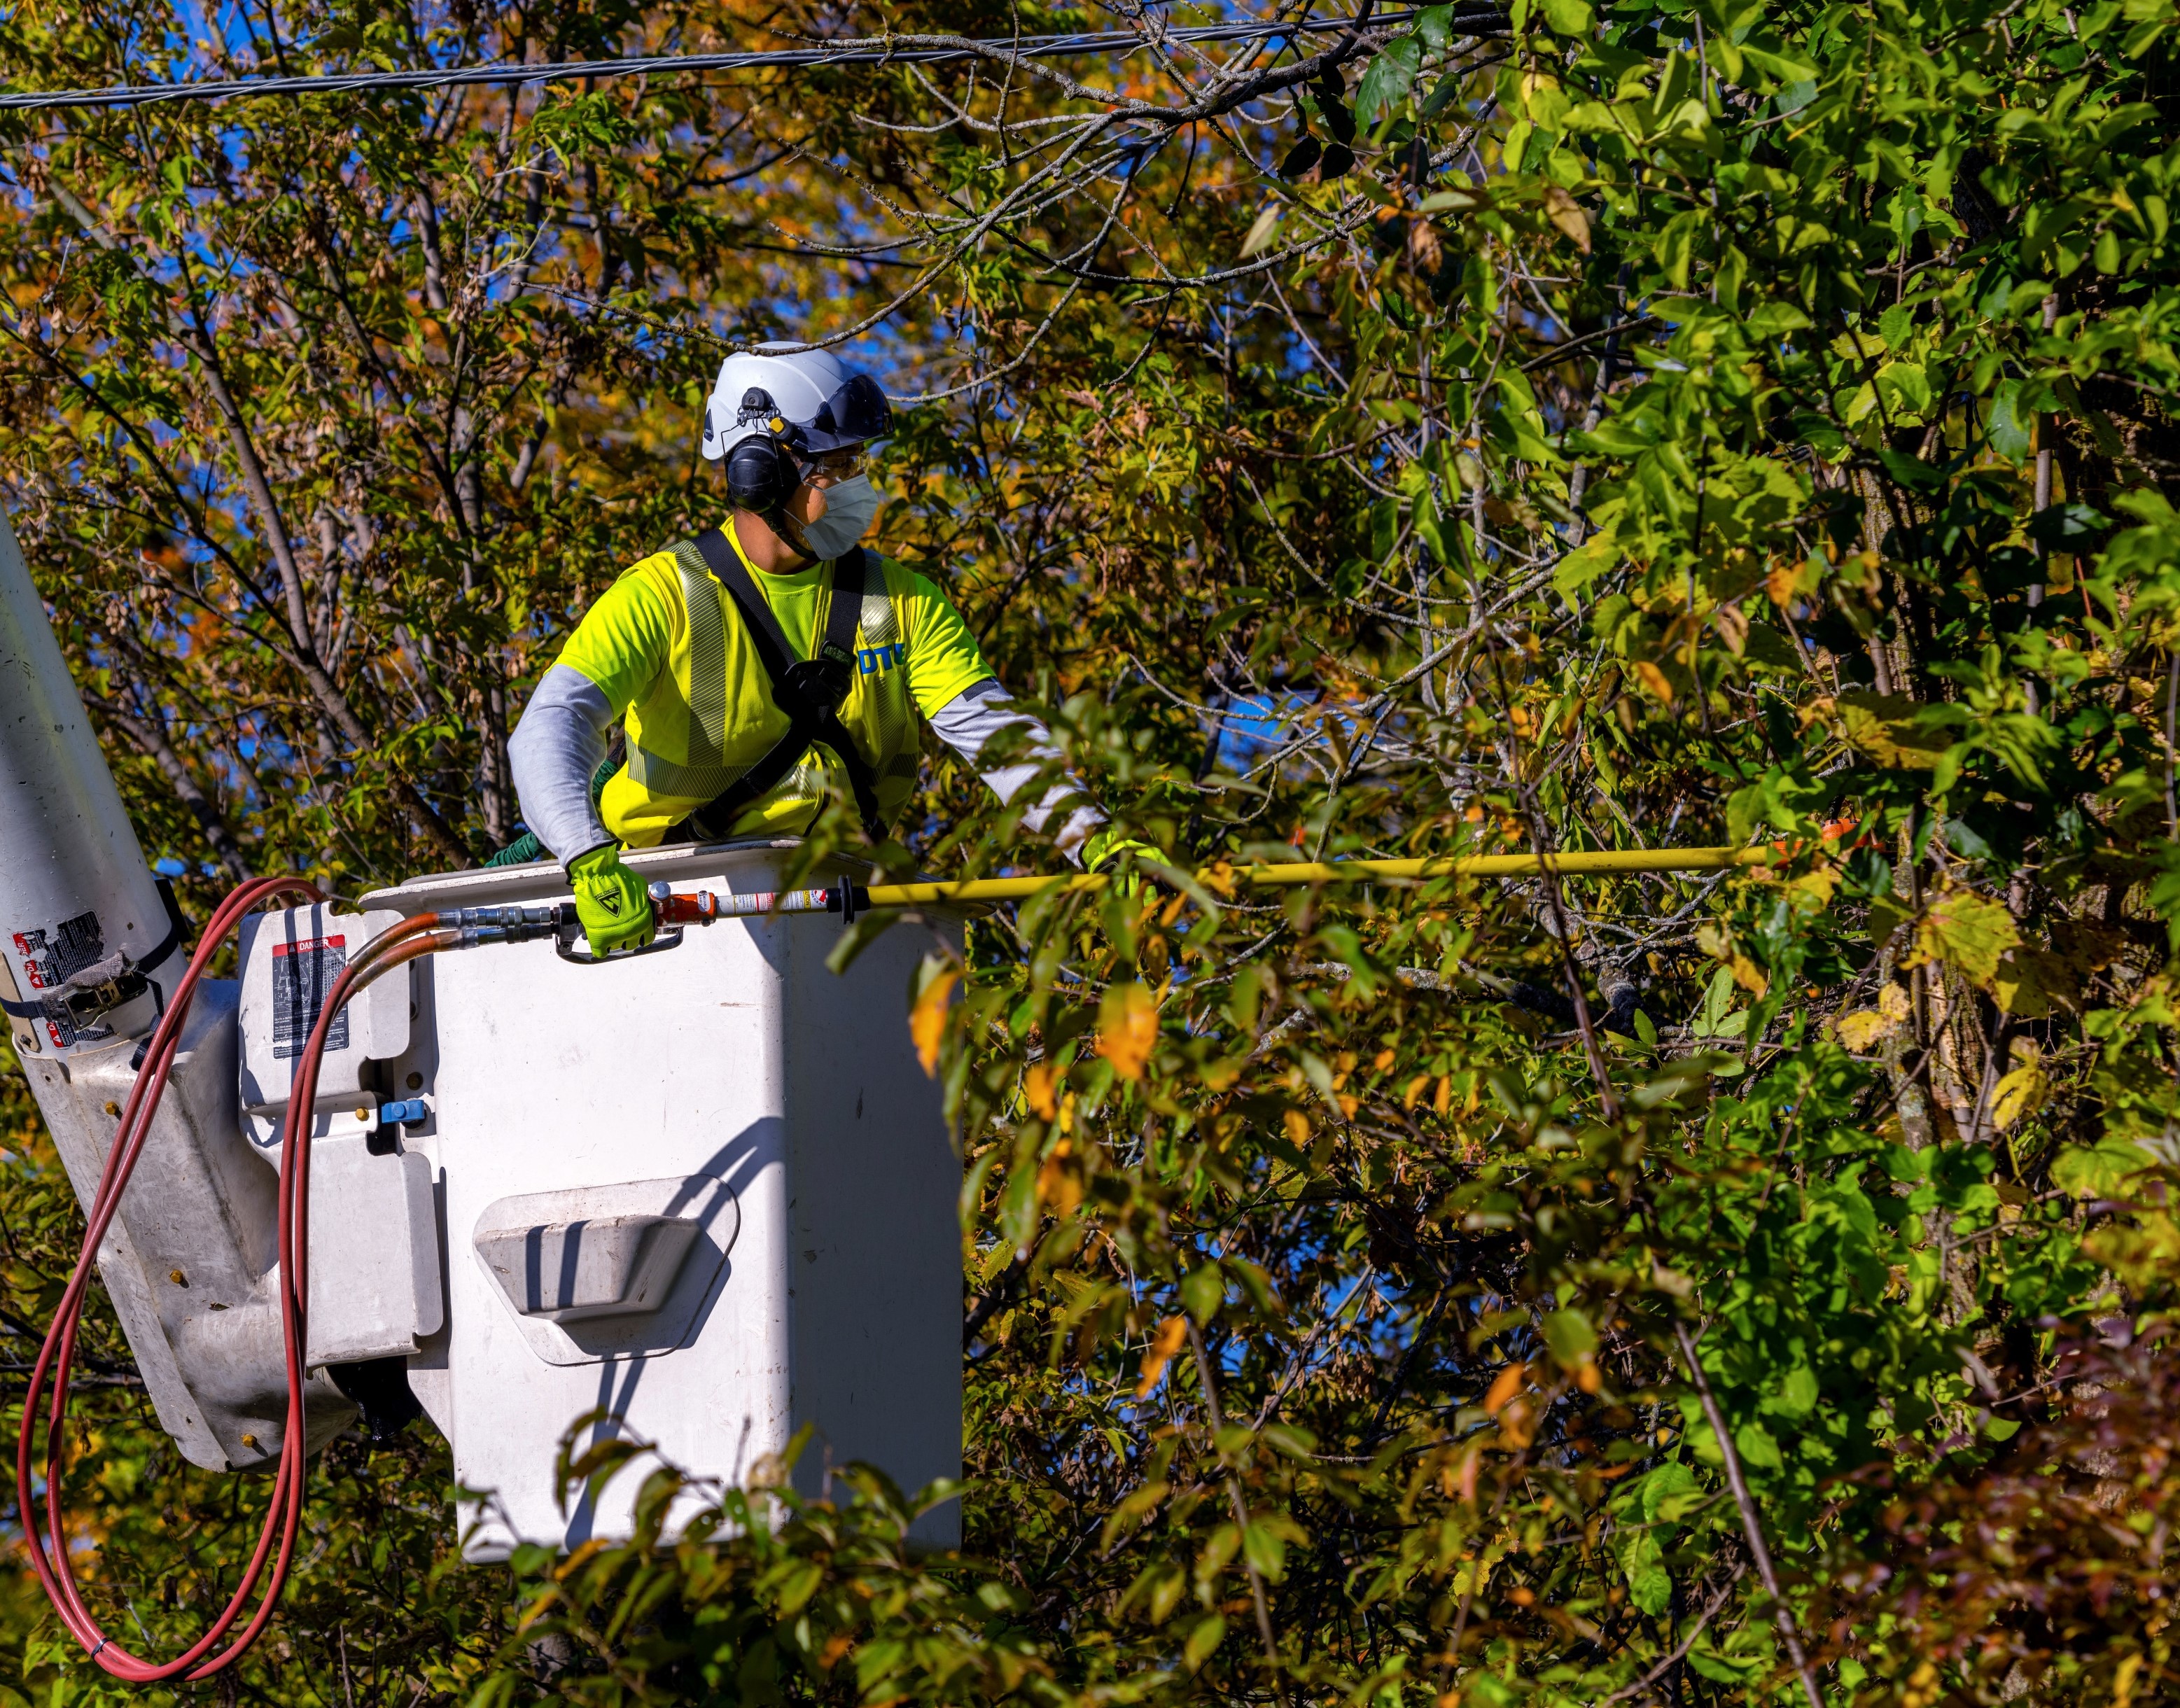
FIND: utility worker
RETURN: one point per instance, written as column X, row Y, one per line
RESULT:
column 767, row 666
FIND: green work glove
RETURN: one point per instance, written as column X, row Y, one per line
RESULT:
column 610, row 901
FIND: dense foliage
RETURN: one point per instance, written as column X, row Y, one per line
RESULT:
column 1582, row 427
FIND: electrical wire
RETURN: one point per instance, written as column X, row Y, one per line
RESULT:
column 419, row 934
column 869, row 50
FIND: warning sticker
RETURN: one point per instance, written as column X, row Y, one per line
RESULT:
column 49, row 958
column 302, row 974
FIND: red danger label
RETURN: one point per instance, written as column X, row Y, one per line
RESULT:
column 303, row 975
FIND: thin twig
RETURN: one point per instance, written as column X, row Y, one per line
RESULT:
column 1789, row 1632
column 1211, row 1408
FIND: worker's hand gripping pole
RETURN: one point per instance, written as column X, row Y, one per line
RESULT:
column 569, row 933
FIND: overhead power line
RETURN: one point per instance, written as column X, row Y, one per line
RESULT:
column 870, row 50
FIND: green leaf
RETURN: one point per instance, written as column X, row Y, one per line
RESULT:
column 1642, row 1563
column 1386, row 84
column 1718, row 998
column 1291, row 1439
column 1572, row 1339
column 2067, row 527
column 1263, row 1549
column 1908, row 386
column 1203, row 1292
column 1574, row 572
column 1301, row 157
column 2010, row 429
column 1798, row 1392
column 1722, row 1669
column 798, row 1586
column 1669, row 1491
column 1207, row 1634
column 1676, row 247
column 1756, row 1446
column 1570, row 18
column 2099, row 1170
column 1969, row 931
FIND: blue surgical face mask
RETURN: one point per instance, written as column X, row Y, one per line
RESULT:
column 850, row 507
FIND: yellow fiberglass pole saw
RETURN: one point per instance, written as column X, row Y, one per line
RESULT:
column 850, row 901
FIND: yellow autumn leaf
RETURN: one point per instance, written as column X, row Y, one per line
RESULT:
column 1566, row 213
column 1819, row 883
column 1219, row 1076
column 1159, row 1353
column 1863, row 1030
column 1059, row 1181
column 1969, row 930
column 1882, row 726
column 1653, row 679
column 1789, row 581
column 1748, row 975
column 2021, row 1093
column 2030, row 983
column 1037, row 1088
column 1262, row 228
column 927, row 1021
column 1869, row 1027
column 1504, row 1387
column 1128, row 1023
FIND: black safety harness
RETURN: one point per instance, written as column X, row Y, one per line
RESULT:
column 810, row 691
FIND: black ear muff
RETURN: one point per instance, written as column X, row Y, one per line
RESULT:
column 761, row 476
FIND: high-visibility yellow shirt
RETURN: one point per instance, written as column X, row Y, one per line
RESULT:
column 669, row 651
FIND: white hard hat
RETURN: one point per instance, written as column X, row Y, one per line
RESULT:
column 824, row 404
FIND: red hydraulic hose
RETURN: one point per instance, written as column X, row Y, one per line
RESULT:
column 48, row 1544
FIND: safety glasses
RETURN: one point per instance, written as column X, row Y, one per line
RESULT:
column 838, row 466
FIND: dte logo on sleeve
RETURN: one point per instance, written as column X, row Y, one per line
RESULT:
column 872, row 659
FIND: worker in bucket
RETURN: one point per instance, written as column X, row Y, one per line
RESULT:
column 767, row 665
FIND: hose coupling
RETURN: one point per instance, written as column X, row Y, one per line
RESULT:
column 480, row 925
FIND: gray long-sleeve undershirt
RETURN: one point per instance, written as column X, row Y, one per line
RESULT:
column 561, row 741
